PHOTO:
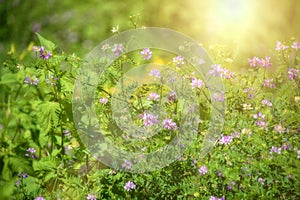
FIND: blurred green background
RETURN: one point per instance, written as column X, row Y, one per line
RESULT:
column 252, row 26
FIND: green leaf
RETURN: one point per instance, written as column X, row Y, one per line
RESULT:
column 46, row 43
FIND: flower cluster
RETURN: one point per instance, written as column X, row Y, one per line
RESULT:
column 275, row 150
column 269, row 83
column 91, row 197
column 280, row 46
column 153, row 96
column 260, row 120
column 21, row 176
column 146, row 54
column 216, row 198
column 178, row 61
column 172, row 96
column 45, row 55
column 249, row 92
column 129, row 186
column 169, row 124
column 155, row 73
column 217, row 70
column 149, row 119
column 118, row 49
column 296, row 46
column 266, row 102
column 262, row 62
column 279, row 128
column 31, row 81
column 197, row 83
column 203, row 170
column 226, row 139
column 218, row 97
column 127, row 164
column 30, row 153
column 51, row 80
column 293, row 73
column 39, row 198
column 103, row 100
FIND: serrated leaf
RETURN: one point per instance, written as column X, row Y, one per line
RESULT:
column 46, row 43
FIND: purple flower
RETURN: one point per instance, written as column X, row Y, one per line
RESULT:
column 103, row 100
column 118, row 49
column 45, row 55
column 127, row 164
column 254, row 61
column 30, row 153
column 51, row 80
column 67, row 133
column 269, row 83
column 266, row 102
column 280, row 46
column 39, row 198
column 279, row 128
column 216, row 198
column 178, row 61
column 149, row 119
column 155, row 73
column 265, row 62
column 286, row 146
column 261, row 180
column 231, row 185
column 216, row 70
column 31, row 81
column 91, row 197
column 225, row 140
column 172, row 96
column 129, row 186
column 227, row 74
column 293, row 73
column 262, row 124
column 203, row 170
column 153, row 96
column 169, row 124
column 275, row 150
column 219, row 97
column 259, row 116
column 220, row 174
column 296, row 45
column 197, row 83
column 146, row 54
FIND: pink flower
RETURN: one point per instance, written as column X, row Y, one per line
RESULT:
column 293, row 73
column 129, row 186
column 203, row 170
column 153, row 96
column 178, row 61
column 216, row 70
column 254, row 61
column 103, row 100
column 146, row 54
column 296, row 45
column 225, row 140
column 219, row 97
column 197, row 83
column 118, row 49
column 269, row 83
column 169, row 124
column 91, row 197
column 45, row 55
column 155, row 73
column 266, row 102
column 149, row 119
column 265, row 62
column 280, row 46
column 275, row 150
column 279, row 128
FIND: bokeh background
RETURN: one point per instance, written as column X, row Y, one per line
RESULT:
column 251, row 26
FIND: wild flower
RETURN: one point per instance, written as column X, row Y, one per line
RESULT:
column 230, row 185
column 218, row 97
column 247, row 106
column 45, row 55
column 293, row 73
column 216, row 198
column 261, row 180
column 216, row 70
column 153, row 96
column 103, row 100
column 91, row 197
column 127, row 164
column 172, row 96
column 286, row 146
column 178, row 61
column 265, row 62
column 253, row 62
column 149, row 119
column 279, row 128
column 225, row 139
column 155, row 73
column 203, row 170
column 266, row 102
column 39, row 198
column 197, row 83
column 31, row 81
column 115, row 29
column 105, row 47
column 280, row 46
column 169, row 124
column 146, row 54
column 269, row 83
column 296, row 45
column 118, row 49
column 129, row 186
column 275, row 150
column 249, row 92
column 51, row 80
column 30, row 152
